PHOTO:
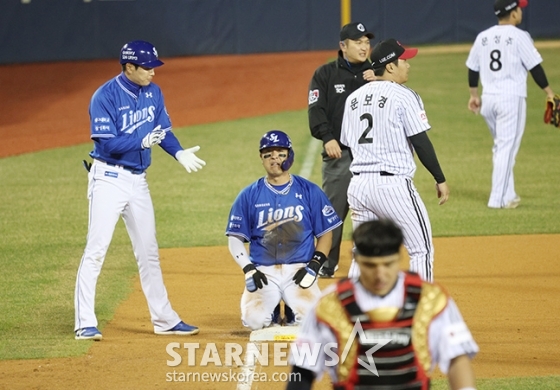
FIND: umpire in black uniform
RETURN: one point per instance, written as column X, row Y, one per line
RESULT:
column 330, row 86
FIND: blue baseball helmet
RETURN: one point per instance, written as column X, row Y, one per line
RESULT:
column 140, row 53
column 278, row 139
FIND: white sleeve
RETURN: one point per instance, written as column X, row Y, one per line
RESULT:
column 473, row 62
column 528, row 53
column 450, row 337
column 238, row 251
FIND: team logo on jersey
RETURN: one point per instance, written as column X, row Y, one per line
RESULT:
column 339, row 88
column 313, row 96
column 423, row 117
column 132, row 120
column 272, row 218
column 149, row 95
column 327, row 210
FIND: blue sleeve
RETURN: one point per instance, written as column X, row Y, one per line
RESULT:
column 119, row 145
column 171, row 144
column 102, row 113
column 239, row 223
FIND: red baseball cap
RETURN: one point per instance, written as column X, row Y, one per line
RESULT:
column 501, row 7
column 388, row 51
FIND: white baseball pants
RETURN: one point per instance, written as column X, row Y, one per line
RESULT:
column 372, row 196
column 505, row 116
column 115, row 192
column 257, row 307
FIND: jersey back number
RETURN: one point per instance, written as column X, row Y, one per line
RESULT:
column 364, row 139
column 495, row 63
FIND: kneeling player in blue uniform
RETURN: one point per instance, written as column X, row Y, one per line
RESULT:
column 280, row 215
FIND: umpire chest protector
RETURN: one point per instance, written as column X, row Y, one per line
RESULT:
column 402, row 363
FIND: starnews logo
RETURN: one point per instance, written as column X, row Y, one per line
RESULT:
column 300, row 353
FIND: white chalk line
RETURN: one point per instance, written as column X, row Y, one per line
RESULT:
column 310, row 157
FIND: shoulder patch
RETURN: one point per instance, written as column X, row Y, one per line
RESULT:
column 423, row 117
column 328, row 210
column 313, row 96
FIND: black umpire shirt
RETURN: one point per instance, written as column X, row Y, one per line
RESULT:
column 330, row 86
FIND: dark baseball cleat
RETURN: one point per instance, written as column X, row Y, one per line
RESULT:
column 181, row 329
column 326, row 272
column 276, row 316
column 290, row 316
column 88, row 333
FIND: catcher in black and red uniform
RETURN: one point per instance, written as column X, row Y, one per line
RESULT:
column 409, row 325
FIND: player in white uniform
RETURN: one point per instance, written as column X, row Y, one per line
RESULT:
column 384, row 123
column 288, row 223
column 501, row 56
column 420, row 323
column 128, row 118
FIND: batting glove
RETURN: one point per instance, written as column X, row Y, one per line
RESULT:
column 189, row 159
column 306, row 276
column 254, row 279
column 154, row 137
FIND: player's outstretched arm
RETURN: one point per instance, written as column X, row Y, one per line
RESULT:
column 189, row 160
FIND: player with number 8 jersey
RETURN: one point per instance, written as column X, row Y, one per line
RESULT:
column 501, row 56
column 384, row 123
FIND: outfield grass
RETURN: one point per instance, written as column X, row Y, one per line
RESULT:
column 43, row 205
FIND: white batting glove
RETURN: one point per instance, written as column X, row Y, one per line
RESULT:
column 189, row 159
column 154, row 137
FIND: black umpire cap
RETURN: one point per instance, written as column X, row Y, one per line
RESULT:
column 354, row 31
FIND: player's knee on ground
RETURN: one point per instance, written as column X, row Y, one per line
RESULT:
column 256, row 320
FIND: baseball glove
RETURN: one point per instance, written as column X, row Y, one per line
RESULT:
column 552, row 111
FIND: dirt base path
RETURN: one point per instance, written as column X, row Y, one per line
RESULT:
column 510, row 304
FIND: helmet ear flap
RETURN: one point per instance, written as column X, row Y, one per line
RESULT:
column 287, row 164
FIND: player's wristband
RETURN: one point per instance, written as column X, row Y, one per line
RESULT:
column 249, row 267
column 317, row 261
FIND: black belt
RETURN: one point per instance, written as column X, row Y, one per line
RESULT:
column 134, row 171
column 381, row 173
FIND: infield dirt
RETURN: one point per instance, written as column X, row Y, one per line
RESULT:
column 505, row 286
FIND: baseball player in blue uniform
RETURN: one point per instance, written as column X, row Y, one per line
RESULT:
column 280, row 215
column 128, row 117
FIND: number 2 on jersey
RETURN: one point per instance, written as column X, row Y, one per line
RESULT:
column 364, row 139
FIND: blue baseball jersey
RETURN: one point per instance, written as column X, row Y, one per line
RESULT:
column 122, row 114
column 281, row 225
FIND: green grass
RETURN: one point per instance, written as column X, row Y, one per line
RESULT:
column 43, row 205
column 540, row 383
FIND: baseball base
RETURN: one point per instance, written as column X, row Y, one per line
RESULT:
column 275, row 333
